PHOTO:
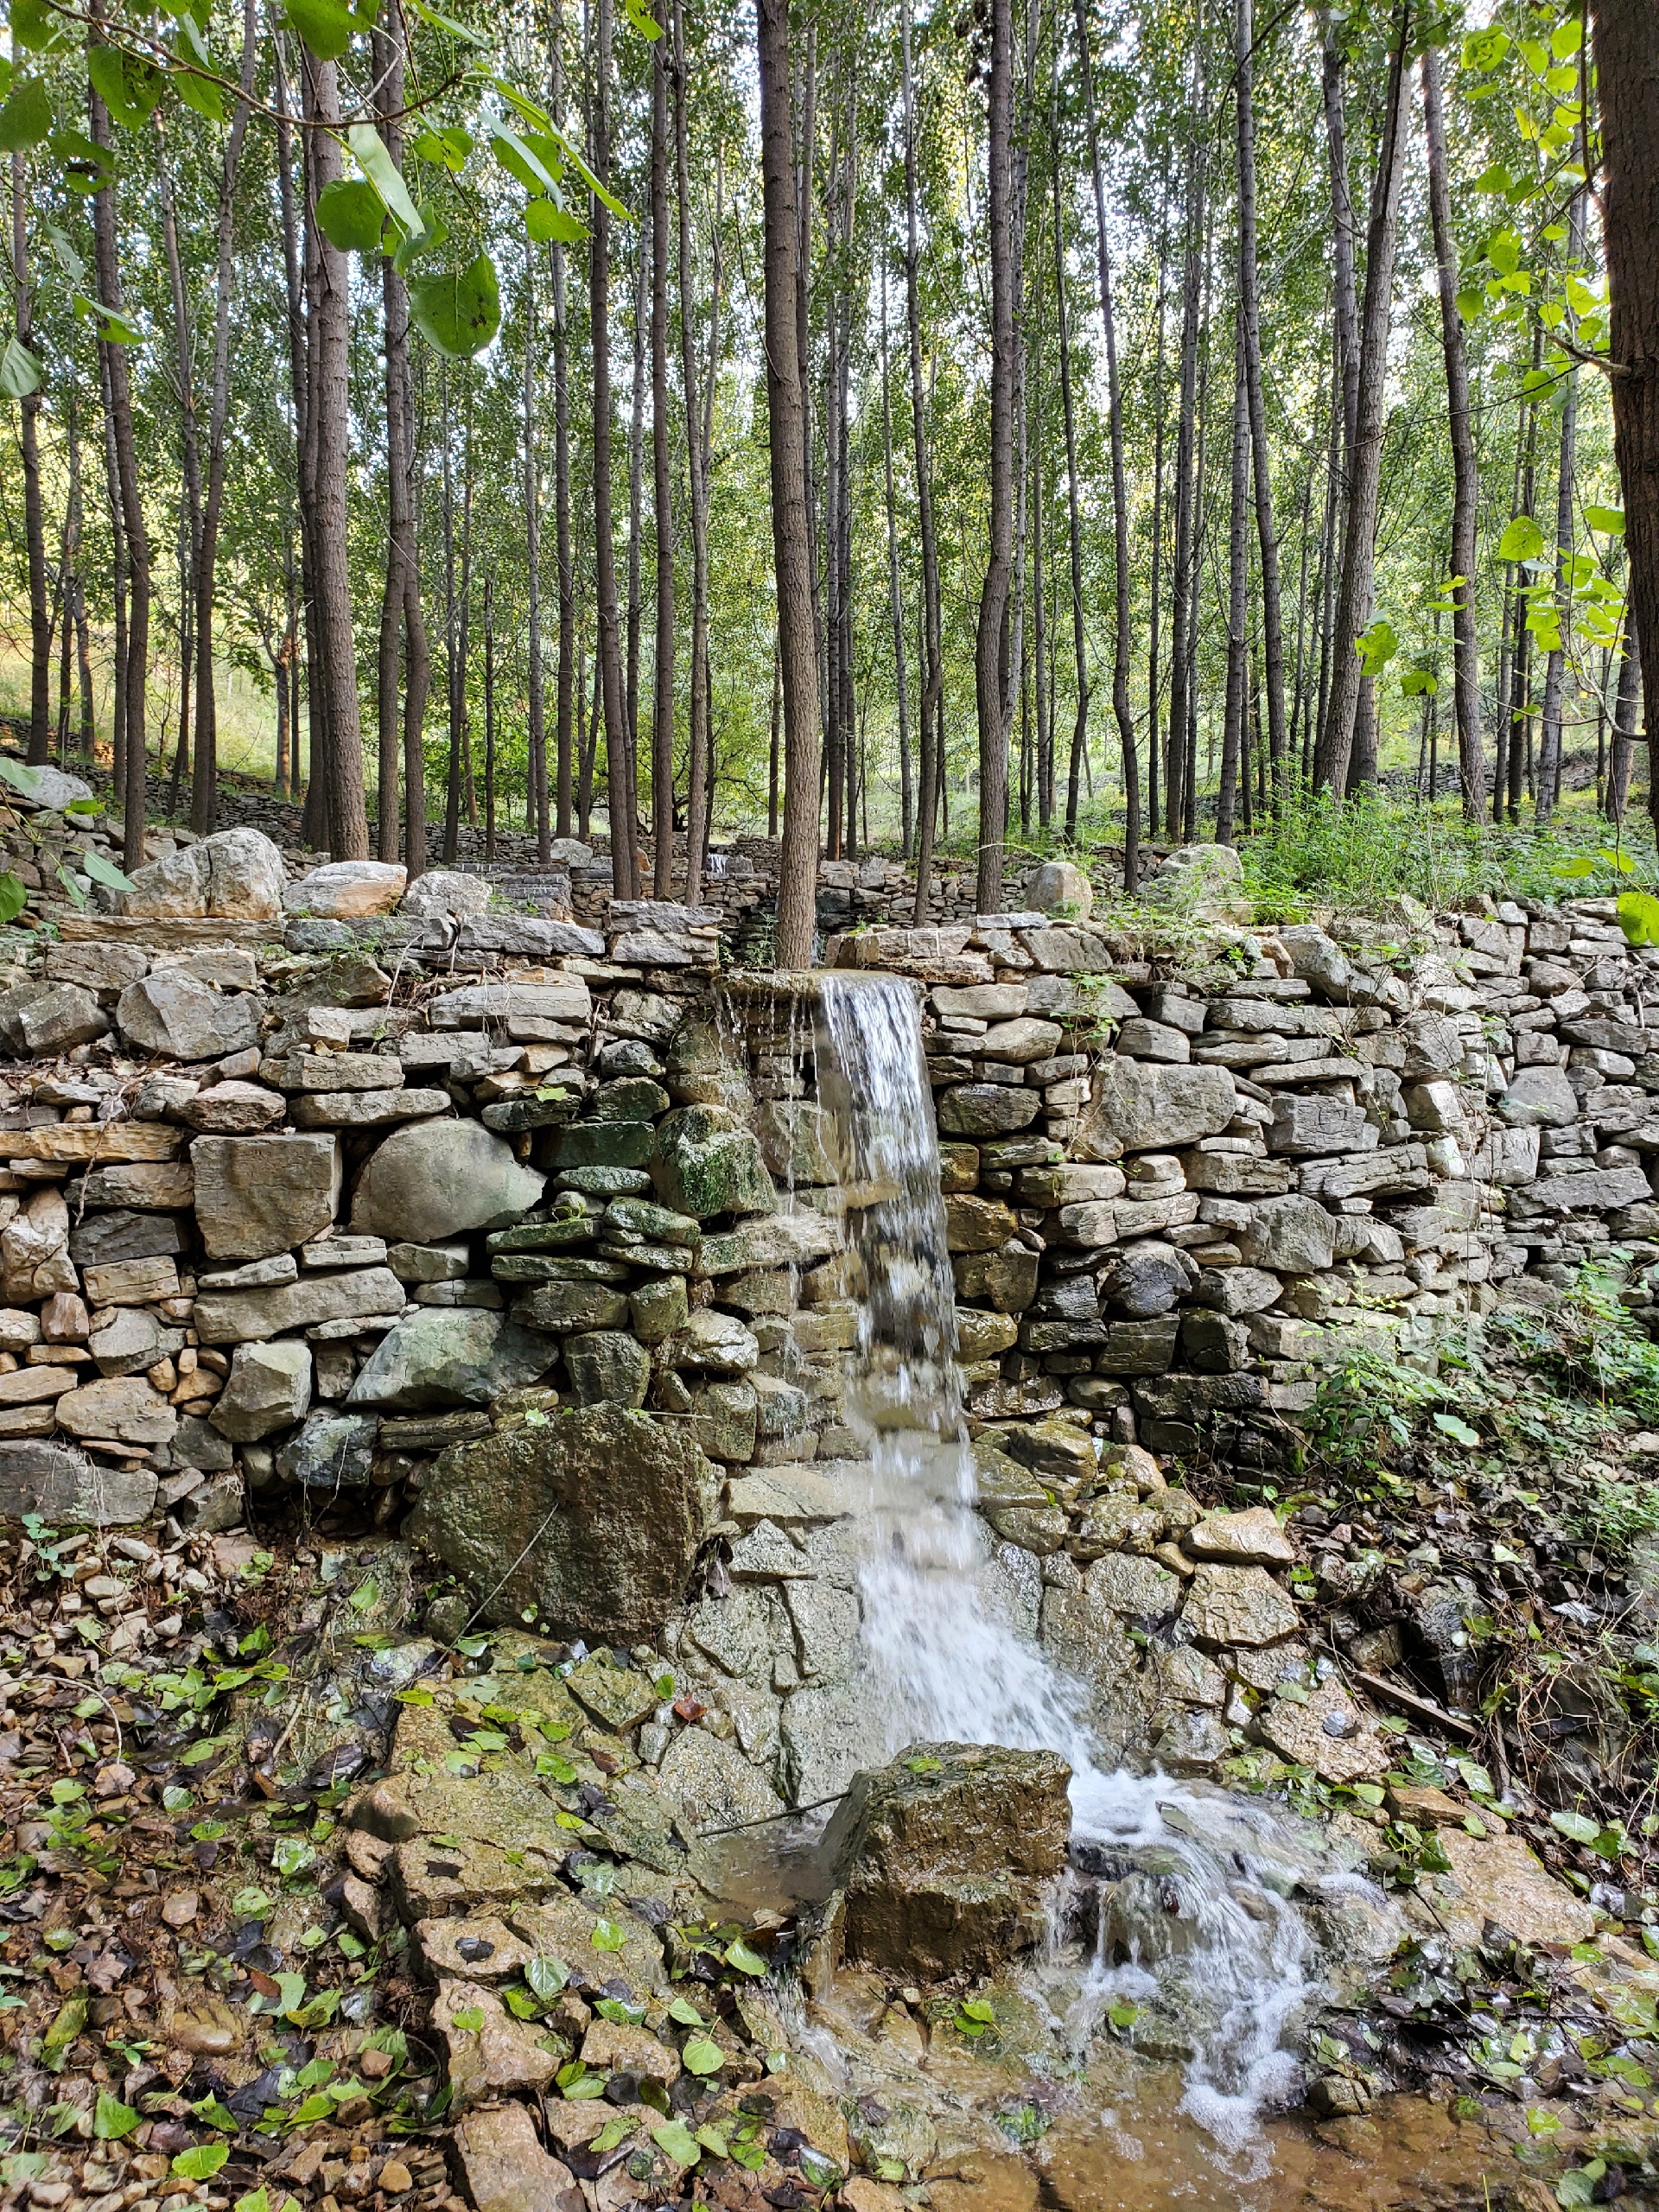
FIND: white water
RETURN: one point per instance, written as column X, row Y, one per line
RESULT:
column 1219, row 1939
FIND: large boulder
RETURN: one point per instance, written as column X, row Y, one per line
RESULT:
column 270, row 1388
column 447, row 892
column 946, row 1858
column 436, row 1179
column 63, row 1486
column 592, row 1520
column 342, row 890
column 51, row 1017
column 449, row 1356
column 257, row 1196
column 1153, row 1105
column 706, row 1162
column 236, row 875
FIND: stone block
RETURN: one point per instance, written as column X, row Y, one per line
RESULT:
column 1143, row 1106
column 987, row 1109
column 435, row 1179
column 1317, row 1124
column 258, row 1195
column 232, row 1317
column 66, row 1488
column 1289, row 1236
column 270, row 1388
column 38, row 1018
column 172, row 1015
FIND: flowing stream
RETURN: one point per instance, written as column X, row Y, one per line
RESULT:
column 1192, row 1884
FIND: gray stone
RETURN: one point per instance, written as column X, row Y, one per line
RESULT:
column 947, row 1856
column 711, row 1343
column 1146, row 1106
column 987, row 1109
column 593, row 1520
column 1539, row 1097
column 1147, row 1278
column 230, row 1317
column 64, row 1487
column 1252, row 1538
column 124, row 1408
column 1601, row 1189
column 281, row 1267
column 433, row 1179
column 1194, row 877
column 1213, row 1343
column 659, row 1308
column 1190, row 1741
column 270, row 1388
column 1316, row 1123
column 1291, row 1235
column 606, row 1367
column 427, row 1262
column 172, row 1013
column 707, row 1163
column 334, row 1451
column 565, row 999
column 147, row 1186
column 725, row 1421
column 132, row 1340
column 445, row 891
column 561, row 1306
column 1061, row 888
column 1236, row 1290
column 195, row 1444
column 41, row 1017
column 798, row 1140
column 123, row 1236
column 1236, row 1605
column 346, row 890
column 236, row 874
column 715, row 1783
column 258, row 1195
column 1018, row 1042
column 779, row 1240
column 1139, row 1347
column 1005, row 1280
column 1317, row 959
column 452, row 1356
column 233, row 1108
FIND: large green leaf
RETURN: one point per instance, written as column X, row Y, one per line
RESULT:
column 458, row 311
column 26, row 117
column 107, row 872
column 35, row 29
column 544, row 222
column 326, row 27
column 14, row 896
column 1639, row 917
column 1377, row 647
column 19, row 372
column 351, row 215
column 87, row 166
column 1611, row 519
column 129, row 86
column 115, row 328
column 1522, row 541
column 369, row 152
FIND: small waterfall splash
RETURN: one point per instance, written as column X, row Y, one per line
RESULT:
column 1197, row 1907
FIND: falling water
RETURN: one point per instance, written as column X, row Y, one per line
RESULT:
column 1218, row 1936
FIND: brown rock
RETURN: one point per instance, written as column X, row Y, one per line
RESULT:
column 1498, row 1877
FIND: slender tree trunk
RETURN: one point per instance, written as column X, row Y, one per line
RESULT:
column 990, row 645
column 1238, row 573
column 662, row 728
column 1466, row 480
column 341, row 770
column 537, row 703
column 404, row 642
column 1521, row 635
column 1625, row 710
column 1337, row 751
column 454, row 679
column 1178, row 794
column 625, row 873
column 489, row 716
column 1549, row 740
column 1068, row 410
column 895, row 592
column 697, row 777
column 635, row 480
column 189, row 527
column 565, row 679
column 40, row 619
column 72, row 590
column 135, row 662
column 1272, row 645
column 930, row 767
column 1154, row 603
column 792, row 545
column 1627, row 67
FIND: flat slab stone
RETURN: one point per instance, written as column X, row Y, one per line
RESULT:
column 1237, row 1605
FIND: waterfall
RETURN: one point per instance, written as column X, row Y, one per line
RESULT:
column 1211, row 1928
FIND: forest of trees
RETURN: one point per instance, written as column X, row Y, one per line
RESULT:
column 1016, row 424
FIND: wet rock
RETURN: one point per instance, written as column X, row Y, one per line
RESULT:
column 270, row 1388
column 490, row 2053
column 1325, row 1730
column 332, row 1452
column 1005, row 1280
column 435, row 1179
column 1236, row 1605
column 607, row 1367
column 711, row 1343
column 1191, row 1741
column 593, row 1520
column 715, row 1783
column 988, row 1110
column 452, row 1356
column 1255, row 1538
column 172, row 1013
column 1498, row 1879
column 1147, row 1278
column 946, row 1855
column 706, row 1163
column 260, row 1195
column 499, row 2153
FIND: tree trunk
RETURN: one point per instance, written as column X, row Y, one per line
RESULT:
column 189, row 532
column 636, row 474
column 403, row 645
column 624, row 877
column 565, row 680
column 1068, row 410
column 1239, row 573
column 791, row 550
column 1466, row 478
column 697, row 776
column 662, row 728
column 537, row 765
column 990, row 642
column 1154, row 604
column 1273, row 643
column 1627, row 59
column 135, row 666
column 1624, row 729
column 895, row 591
column 1337, row 750
column 453, row 677
column 40, row 617
column 1178, row 798
column 1550, row 736
column 930, row 767
column 489, row 717
column 340, row 771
